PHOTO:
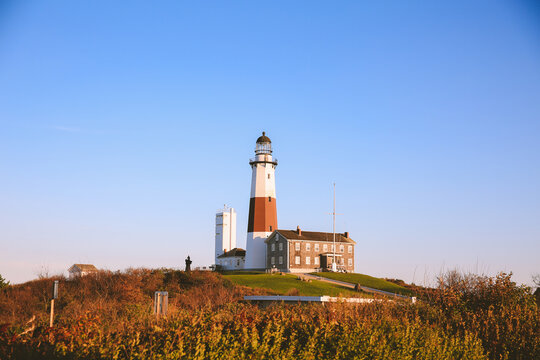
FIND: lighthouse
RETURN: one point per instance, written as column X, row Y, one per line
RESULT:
column 262, row 220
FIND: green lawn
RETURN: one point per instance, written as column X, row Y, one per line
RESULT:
column 366, row 280
column 281, row 284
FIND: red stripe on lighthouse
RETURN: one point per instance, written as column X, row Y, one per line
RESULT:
column 262, row 214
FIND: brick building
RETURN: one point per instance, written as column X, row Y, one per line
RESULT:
column 308, row 251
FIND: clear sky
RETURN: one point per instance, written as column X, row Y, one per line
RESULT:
column 124, row 126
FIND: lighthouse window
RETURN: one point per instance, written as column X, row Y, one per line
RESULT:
column 269, row 176
column 270, row 228
column 269, row 199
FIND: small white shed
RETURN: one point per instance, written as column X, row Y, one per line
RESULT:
column 81, row 270
column 234, row 259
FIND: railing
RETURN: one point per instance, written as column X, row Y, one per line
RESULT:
column 255, row 161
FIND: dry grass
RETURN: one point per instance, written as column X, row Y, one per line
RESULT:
column 109, row 316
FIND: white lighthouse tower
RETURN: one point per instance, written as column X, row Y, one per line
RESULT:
column 262, row 218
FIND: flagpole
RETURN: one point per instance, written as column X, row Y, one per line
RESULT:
column 334, row 265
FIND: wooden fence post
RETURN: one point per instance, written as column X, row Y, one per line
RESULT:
column 54, row 296
column 161, row 302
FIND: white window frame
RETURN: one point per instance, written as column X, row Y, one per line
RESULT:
column 297, row 246
column 280, row 260
column 308, row 260
column 273, row 247
column 280, row 246
column 350, row 262
column 297, row 260
column 308, row 247
column 272, row 260
column 316, row 260
column 325, row 248
column 341, row 248
column 350, row 249
column 316, row 247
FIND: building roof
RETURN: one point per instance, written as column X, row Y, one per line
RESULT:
column 263, row 138
column 232, row 253
column 313, row 236
column 83, row 267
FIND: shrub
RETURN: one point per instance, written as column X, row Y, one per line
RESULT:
column 503, row 315
column 108, row 315
column 3, row 282
column 244, row 331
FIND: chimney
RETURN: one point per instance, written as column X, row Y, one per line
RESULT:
column 346, row 234
column 298, row 230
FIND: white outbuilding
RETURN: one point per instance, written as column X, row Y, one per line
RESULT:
column 81, row 270
column 234, row 259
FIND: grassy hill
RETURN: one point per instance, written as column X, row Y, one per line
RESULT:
column 287, row 284
column 366, row 280
column 109, row 316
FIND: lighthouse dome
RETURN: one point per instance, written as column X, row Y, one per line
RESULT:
column 263, row 139
column 263, row 146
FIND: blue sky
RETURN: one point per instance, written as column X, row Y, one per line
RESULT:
column 126, row 125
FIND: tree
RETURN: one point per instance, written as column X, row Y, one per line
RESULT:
column 3, row 282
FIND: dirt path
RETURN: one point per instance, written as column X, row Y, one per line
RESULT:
column 353, row 286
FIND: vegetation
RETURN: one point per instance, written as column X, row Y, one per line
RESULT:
column 245, row 332
column 366, row 280
column 288, row 285
column 108, row 316
column 3, row 282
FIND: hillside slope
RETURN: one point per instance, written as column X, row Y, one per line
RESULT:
column 115, row 295
column 287, row 284
column 366, row 280
column 109, row 315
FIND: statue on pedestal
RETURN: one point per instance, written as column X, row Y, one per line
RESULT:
column 188, row 264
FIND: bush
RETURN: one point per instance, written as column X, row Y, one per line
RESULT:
column 503, row 315
column 3, row 282
column 108, row 315
column 244, row 331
